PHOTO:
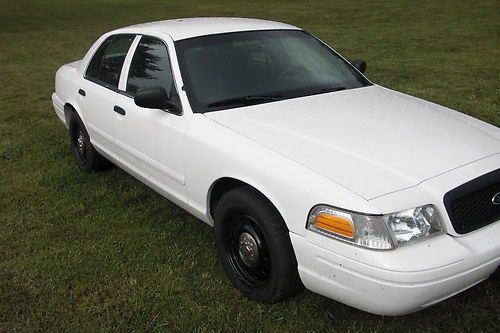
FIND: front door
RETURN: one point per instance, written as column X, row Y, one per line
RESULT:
column 150, row 141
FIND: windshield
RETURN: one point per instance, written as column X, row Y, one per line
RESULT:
column 244, row 68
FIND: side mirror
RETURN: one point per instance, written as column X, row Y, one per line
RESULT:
column 360, row 65
column 155, row 98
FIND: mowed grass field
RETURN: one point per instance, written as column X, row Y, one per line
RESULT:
column 102, row 252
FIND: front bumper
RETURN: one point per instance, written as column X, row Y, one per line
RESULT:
column 398, row 281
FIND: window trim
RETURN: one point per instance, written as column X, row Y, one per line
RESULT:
column 126, row 66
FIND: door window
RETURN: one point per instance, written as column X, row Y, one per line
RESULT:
column 150, row 67
column 106, row 65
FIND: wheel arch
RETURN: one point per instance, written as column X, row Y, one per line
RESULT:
column 69, row 108
column 224, row 184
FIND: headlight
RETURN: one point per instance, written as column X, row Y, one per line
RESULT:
column 381, row 232
column 413, row 223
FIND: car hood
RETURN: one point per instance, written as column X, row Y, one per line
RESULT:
column 371, row 140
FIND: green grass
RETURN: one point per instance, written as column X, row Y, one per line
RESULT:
column 101, row 252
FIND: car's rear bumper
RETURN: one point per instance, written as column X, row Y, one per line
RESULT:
column 59, row 108
column 399, row 281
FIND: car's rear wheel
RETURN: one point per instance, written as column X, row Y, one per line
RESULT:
column 254, row 246
column 86, row 157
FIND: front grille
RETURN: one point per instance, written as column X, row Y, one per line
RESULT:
column 470, row 206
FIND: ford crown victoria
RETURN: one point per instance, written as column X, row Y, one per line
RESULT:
column 311, row 174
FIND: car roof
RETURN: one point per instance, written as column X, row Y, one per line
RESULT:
column 192, row 27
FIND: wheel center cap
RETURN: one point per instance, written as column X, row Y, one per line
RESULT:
column 248, row 249
column 80, row 142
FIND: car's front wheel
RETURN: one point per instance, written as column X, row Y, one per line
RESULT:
column 86, row 157
column 254, row 246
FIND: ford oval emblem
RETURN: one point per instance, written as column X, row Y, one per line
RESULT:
column 496, row 199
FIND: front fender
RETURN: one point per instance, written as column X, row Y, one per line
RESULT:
column 214, row 151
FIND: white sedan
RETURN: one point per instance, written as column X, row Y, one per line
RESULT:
column 310, row 173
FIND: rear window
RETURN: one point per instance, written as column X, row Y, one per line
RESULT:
column 106, row 64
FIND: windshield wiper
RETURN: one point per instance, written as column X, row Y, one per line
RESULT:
column 331, row 89
column 325, row 90
column 246, row 100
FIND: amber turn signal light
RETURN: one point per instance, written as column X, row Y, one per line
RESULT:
column 335, row 224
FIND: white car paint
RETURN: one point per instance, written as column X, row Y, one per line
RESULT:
column 389, row 140
column 369, row 150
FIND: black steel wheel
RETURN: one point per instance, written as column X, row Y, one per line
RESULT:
column 254, row 246
column 81, row 145
column 86, row 157
column 247, row 250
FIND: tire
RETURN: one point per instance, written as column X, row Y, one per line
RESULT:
column 254, row 247
column 86, row 157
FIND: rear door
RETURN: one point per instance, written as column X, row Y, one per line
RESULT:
column 99, row 89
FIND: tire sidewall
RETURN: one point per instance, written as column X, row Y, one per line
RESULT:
column 75, row 125
column 267, row 221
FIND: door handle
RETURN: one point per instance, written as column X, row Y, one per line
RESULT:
column 119, row 110
column 82, row 92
